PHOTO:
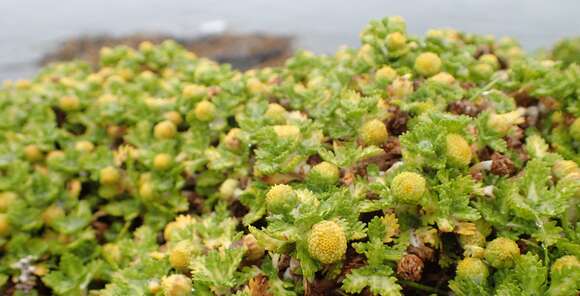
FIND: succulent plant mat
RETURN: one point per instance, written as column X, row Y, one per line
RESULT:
column 437, row 165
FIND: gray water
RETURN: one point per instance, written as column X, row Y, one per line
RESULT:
column 29, row 28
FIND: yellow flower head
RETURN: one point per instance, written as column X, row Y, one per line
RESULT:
column 280, row 198
column 374, row 132
column 326, row 172
column 176, row 285
column 428, row 64
column 458, row 150
column 205, row 111
column 565, row 262
column 472, row 268
column 502, row 252
column 327, row 242
column 408, row 187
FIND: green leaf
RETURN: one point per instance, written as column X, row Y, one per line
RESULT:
column 566, row 282
column 72, row 277
column 531, row 274
column 218, row 269
column 379, row 280
column 76, row 220
column 468, row 287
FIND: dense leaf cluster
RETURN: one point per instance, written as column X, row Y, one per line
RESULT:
column 408, row 165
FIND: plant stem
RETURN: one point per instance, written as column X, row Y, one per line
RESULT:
column 422, row 287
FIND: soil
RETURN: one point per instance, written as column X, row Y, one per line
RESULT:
column 242, row 51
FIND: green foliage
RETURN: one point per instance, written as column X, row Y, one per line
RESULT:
column 85, row 208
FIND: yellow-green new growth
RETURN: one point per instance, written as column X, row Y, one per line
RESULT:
column 443, row 78
column 232, row 139
column 325, row 172
column 162, row 161
column 205, row 111
column 180, row 255
column 109, row 176
column 428, row 64
column 458, row 150
column 474, row 239
column 482, row 70
column 490, row 59
column 280, row 198
column 173, row 227
column 165, row 130
column 396, row 41
column 385, row 73
column 112, row 253
column 4, row 225
column 6, row 200
column 176, row 285
column 401, row 87
column 32, row 153
column 502, row 252
column 276, row 113
column 69, row 103
column 374, row 132
column 408, row 187
column 228, row 188
column 253, row 249
column 52, row 213
column 563, row 168
column 287, row 132
column 194, row 91
column 174, row 117
column 472, row 268
column 575, row 129
column 502, row 123
column 327, row 242
column 564, row 263
column 84, row 146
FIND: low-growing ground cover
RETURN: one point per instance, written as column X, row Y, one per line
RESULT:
column 416, row 166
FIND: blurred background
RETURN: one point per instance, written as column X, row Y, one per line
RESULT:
column 33, row 32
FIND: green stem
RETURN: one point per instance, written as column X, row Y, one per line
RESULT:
column 484, row 88
column 422, row 287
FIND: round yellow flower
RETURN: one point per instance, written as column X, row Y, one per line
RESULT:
column 565, row 262
column 276, row 113
column 69, row 103
column 180, row 255
column 327, row 242
column 326, row 172
column 288, row 132
column 458, row 150
column 162, row 161
column 385, row 73
column 205, row 111
column 280, row 197
column 502, row 252
column 165, row 130
column 408, row 187
column 563, row 168
column 428, row 64
column 374, row 132
column 472, row 268
column 176, row 285
column 84, row 146
column 396, row 41
column 32, row 153
column 109, row 176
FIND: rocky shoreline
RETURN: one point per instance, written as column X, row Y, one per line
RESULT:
column 242, row 51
